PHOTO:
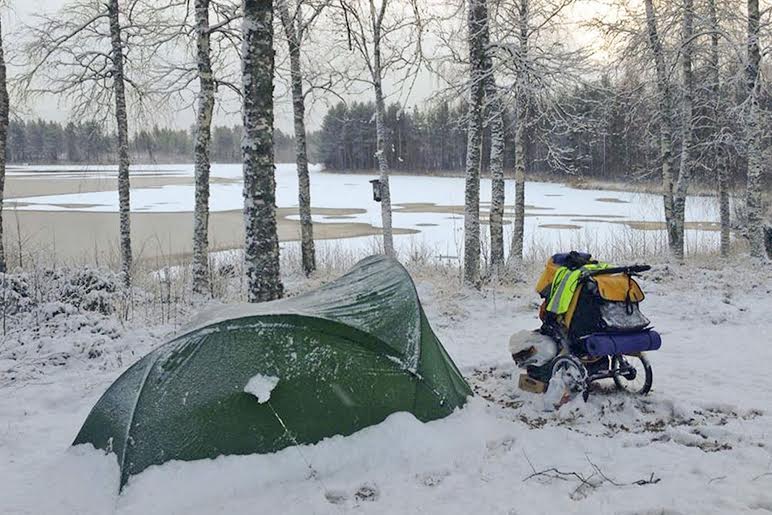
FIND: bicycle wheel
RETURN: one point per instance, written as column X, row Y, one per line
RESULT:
column 632, row 373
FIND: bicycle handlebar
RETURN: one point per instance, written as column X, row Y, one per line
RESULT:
column 630, row 270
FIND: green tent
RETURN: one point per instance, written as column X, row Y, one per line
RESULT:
column 346, row 356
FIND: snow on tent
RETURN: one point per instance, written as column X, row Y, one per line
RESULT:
column 258, row 378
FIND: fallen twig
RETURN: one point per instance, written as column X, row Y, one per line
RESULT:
column 590, row 481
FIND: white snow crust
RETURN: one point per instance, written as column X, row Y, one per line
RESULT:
column 261, row 387
column 699, row 443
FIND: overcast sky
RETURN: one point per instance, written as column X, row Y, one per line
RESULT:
column 48, row 108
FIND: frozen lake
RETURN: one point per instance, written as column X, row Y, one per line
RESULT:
column 557, row 216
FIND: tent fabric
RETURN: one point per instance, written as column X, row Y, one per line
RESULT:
column 346, row 355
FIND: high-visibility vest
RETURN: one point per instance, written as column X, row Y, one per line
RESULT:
column 564, row 286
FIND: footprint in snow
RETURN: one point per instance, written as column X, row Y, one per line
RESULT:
column 335, row 496
column 432, row 479
column 367, row 492
column 609, row 413
column 497, row 448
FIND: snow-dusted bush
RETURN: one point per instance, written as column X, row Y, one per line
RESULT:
column 91, row 289
column 15, row 293
column 55, row 332
column 66, row 316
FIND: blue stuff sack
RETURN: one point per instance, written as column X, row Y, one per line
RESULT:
column 610, row 344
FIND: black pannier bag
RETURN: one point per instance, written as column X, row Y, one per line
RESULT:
column 595, row 314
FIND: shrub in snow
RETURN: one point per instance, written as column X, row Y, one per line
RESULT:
column 227, row 270
column 54, row 332
column 15, row 294
column 91, row 289
column 61, row 316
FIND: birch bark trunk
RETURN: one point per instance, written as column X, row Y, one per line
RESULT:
column 753, row 198
column 666, row 121
column 122, row 125
column 201, row 151
column 475, row 27
column 261, row 245
column 521, row 121
column 722, row 170
column 4, row 114
column 496, row 125
column 518, row 232
column 294, row 36
column 687, row 131
column 380, row 129
column 497, row 179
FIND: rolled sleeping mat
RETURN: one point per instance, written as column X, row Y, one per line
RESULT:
column 610, row 344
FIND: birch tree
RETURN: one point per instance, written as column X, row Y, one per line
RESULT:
column 203, row 138
column 521, row 113
column 719, row 150
column 295, row 28
column 78, row 55
column 665, row 120
column 687, row 130
column 494, row 115
column 705, row 130
column 477, row 36
column 386, row 35
column 376, row 72
column 4, row 115
column 540, row 70
column 202, row 52
column 122, row 127
column 753, row 195
column 496, row 126
column 261, row 246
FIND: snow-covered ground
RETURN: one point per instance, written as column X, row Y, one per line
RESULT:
column 701, row 442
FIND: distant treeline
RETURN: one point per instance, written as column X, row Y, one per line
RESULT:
column 604, row 131
column 40, row 141
column 428, row 140
column 434, row 139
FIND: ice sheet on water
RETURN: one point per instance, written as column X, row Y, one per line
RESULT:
column 261, row 387
column 562, row 213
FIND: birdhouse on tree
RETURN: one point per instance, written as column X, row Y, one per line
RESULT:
column 376, row 189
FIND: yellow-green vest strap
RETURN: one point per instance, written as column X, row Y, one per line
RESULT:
column 564, row 286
